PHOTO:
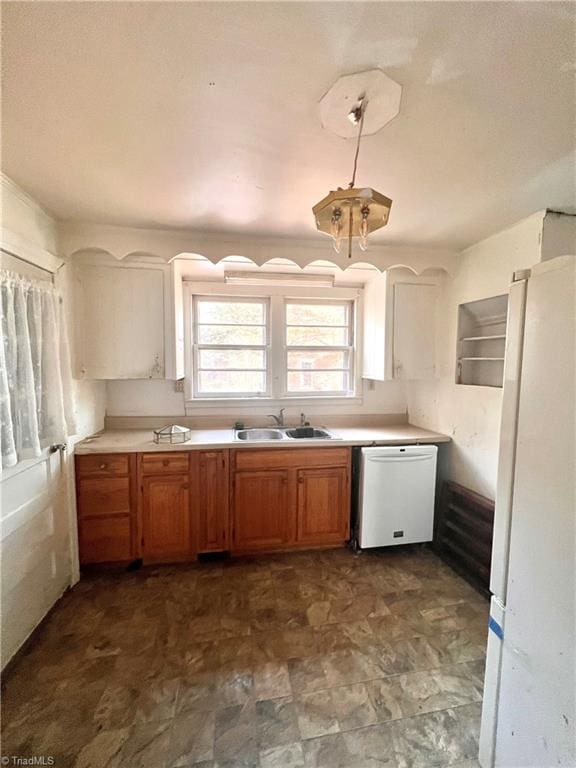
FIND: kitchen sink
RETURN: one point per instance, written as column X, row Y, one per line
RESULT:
column 310, row 433
column 259, row 434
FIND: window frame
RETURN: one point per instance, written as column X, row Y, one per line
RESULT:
column 197, row 347
column 349, row 348
column 278, row 295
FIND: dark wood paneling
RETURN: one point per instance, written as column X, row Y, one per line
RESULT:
column 463, row 533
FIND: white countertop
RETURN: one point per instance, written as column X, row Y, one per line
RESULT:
column 141, row 440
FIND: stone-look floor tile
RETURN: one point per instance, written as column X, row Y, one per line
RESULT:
column 327, row 752
column 353, row 707
column 235, row 735
column 307, row 675
column 316, row 714
column 272, row 680
column 341, row 637
column 287, row 756
column 371, row 747
column 408, row 695
column 216, row 651
column 352, row 666
column 147, row 745
column 437, row 739
column 191, row 739
column 276, row 722
column 104, row 750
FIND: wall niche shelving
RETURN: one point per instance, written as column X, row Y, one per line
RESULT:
column 481, row 342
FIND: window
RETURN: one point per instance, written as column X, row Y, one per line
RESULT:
column 319, row 347
column 271, row 342
column 231, row 346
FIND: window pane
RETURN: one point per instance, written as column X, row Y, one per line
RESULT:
column 240, row 312
column 316, row 314
column 317, row 381
column 232, row 358
column 231, row 381
column 231, row 334
column 317, row 360
column 316, row 337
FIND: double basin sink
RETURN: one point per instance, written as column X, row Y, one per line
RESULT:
column 286, row 433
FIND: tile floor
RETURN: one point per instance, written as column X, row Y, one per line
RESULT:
column 304, row 660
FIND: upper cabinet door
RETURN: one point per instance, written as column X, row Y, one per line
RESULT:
column 121, row 326
column 399, row 329
column 414, row 331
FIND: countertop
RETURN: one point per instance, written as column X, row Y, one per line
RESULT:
column 140, row 440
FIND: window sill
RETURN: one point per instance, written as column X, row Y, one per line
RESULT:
column 271, row 402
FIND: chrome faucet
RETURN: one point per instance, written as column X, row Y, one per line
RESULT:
column 303, row 422
column 278, row 419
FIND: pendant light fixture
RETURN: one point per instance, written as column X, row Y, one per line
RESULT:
column 354, row 212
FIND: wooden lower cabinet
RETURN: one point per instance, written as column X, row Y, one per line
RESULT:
column 323, row 506
column 106, row 500
column 211, row 500
column 261, row 510
column 290, row 498
column 169, row 506
column 166, row 524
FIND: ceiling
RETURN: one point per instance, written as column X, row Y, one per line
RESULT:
column 205, row 115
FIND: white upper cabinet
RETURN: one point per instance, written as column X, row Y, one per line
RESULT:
column 399, row 328
column 121, row 329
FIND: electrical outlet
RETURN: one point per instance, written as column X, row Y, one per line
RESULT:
column 179, row 385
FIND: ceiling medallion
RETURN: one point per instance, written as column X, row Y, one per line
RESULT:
column 354, row 212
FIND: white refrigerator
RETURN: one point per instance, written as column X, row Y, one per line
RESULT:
column 529, row 712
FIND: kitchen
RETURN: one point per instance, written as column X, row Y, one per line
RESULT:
column 272, row 497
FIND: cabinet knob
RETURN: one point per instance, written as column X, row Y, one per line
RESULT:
column 165, row 462
column 103, row 466
column 185, row 486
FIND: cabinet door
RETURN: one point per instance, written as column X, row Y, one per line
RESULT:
column 121, row 328
column 323, row 506
column 211, row 500
column 261, row 514
column 106, row 539
column 166, row 529
column 414, row 331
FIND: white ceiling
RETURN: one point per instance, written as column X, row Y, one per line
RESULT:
column 205, row 115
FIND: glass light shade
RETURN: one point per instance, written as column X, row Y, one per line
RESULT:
column 370, row 210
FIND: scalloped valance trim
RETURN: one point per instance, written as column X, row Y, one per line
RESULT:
column 163, row 246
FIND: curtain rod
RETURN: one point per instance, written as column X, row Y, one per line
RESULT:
column 27, row 261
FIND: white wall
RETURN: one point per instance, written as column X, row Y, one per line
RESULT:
column 470, row 415
column 38, row 532
column 158, row 398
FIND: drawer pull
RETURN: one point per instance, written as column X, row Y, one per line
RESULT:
column 165, row 462
column 103, row 466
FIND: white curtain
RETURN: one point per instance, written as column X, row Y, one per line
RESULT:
column 36, row 406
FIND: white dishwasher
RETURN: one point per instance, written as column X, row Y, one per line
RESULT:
column 396, row 495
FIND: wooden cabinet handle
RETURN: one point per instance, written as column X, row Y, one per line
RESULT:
column 185, row 486
column 165, row 462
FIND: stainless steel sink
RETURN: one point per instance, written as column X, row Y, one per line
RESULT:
column 259, row 434
column 310, row 433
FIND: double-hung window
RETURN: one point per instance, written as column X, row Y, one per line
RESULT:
column 231, row 346
column 319, row 347
column 271, row 342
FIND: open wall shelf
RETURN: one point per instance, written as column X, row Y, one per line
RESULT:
column 481, row 342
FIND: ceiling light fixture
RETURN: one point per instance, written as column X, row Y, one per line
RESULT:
column 355, row 212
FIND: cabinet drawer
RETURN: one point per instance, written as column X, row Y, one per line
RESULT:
column 105, row 539
column 103, row 496
column 102, row 465
column 163, row 463
column 288, row 458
